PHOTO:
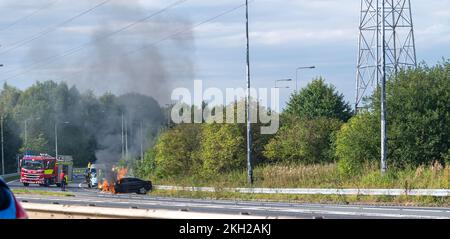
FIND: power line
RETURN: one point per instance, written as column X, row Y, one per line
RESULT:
column 190, row 29
column 51, row 29
column 28, row 16
column 77, row 49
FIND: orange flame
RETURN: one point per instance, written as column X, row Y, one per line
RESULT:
column 109, row 187
column 122, row 173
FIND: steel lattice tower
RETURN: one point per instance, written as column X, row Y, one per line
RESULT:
column 399, row 47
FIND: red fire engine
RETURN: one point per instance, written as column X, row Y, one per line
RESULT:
column 44, row 169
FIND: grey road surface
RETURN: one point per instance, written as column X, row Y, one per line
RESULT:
column 92, row 197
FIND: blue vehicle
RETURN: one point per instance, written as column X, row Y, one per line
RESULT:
column 10, row 208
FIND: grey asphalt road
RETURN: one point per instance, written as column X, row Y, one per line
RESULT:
column 92, row 197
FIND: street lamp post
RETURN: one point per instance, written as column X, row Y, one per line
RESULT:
column 282, row 80
column 249, row 128
column 141, row 132
column 296, row 74
column 56, row 138
column 3, row 150
column 168, row 114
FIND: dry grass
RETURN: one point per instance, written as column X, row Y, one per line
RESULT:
column 433, row 176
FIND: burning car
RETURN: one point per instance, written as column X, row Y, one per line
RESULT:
column 124, row 184
column 132, row 185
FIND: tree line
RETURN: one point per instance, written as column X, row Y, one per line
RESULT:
column 319, row 127
column 86, row 124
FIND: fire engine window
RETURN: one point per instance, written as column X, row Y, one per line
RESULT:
column 50, row 164
column 33, row 165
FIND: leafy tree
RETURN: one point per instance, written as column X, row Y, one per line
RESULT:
column 317, row 100
column 358, row 142
column 222, row 148
column 146, row 167
column 37, row 144
column 12, row 143
column 418, row 104
column 175, row 151
column 303, row 141
column 93, row 122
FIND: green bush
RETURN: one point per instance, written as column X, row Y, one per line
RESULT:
column 175, row 151
column 303, row 141
column 358, row 142
column 418, row 104
column 222, row 148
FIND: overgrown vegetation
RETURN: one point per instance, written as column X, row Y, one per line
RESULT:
column 432, row 176
column 86, row 123
column 321, row 143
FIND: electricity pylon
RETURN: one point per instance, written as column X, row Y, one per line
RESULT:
column 400, row 47
column 386, row 45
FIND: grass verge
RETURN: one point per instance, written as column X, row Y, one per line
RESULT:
column 9, row 179
column 321, row 176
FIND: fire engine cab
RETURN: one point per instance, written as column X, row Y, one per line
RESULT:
column 44, row 169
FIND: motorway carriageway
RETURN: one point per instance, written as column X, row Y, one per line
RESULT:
column 92, row 197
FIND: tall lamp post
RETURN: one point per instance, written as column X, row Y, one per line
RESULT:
column 3, row 149
column 282, row 80
column 56, row 138
column 296, row 74
column 249, row 128
column 168, row 114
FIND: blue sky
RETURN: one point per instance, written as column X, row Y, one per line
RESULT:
column 284, row 35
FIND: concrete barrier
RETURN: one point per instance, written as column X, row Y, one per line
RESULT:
column 49, row 211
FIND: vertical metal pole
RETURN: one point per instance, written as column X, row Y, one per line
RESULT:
column 25, row 137
column 168, row 115
column 123, row 151
column 412, row 34
column 394, row 37
column 126, row 140
column 383, row 93
column 56, row 141
column 378, row 61
column 142, row 141
column 3, row 150
column 249, row 129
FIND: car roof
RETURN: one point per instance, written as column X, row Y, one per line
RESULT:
column 130, row 178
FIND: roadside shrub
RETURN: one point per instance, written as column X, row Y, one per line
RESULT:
column 175, row 151
column 222, row 148
column 418, row 115
column 357, row 143
column 303, row 141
